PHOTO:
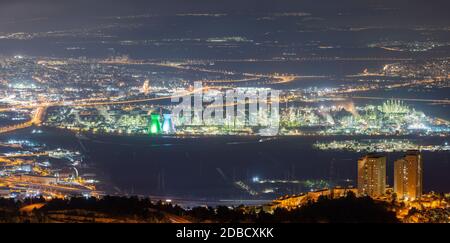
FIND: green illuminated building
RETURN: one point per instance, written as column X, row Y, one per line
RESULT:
column 155, row 124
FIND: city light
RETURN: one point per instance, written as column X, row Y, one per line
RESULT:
column 257, row 112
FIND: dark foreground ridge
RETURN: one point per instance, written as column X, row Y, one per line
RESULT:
column 111, row 209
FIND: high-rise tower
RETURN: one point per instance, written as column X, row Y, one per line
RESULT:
column 372, row 175
column 408, row 176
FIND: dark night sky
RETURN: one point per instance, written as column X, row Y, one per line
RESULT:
column 50, row 15
column 23, row 9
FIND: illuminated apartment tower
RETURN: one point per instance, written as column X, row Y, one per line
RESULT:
column 372, row 175
column 408, row 176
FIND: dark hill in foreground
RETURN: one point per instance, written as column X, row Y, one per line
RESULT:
column 137, row 210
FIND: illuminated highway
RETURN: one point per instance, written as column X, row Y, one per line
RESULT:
column 277, row 79
column 37, row 119
column 24, row 155
column 87, row 102
column 16, row 182
column 404, row 99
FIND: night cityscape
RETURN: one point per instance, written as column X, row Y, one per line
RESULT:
column 204, row 111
